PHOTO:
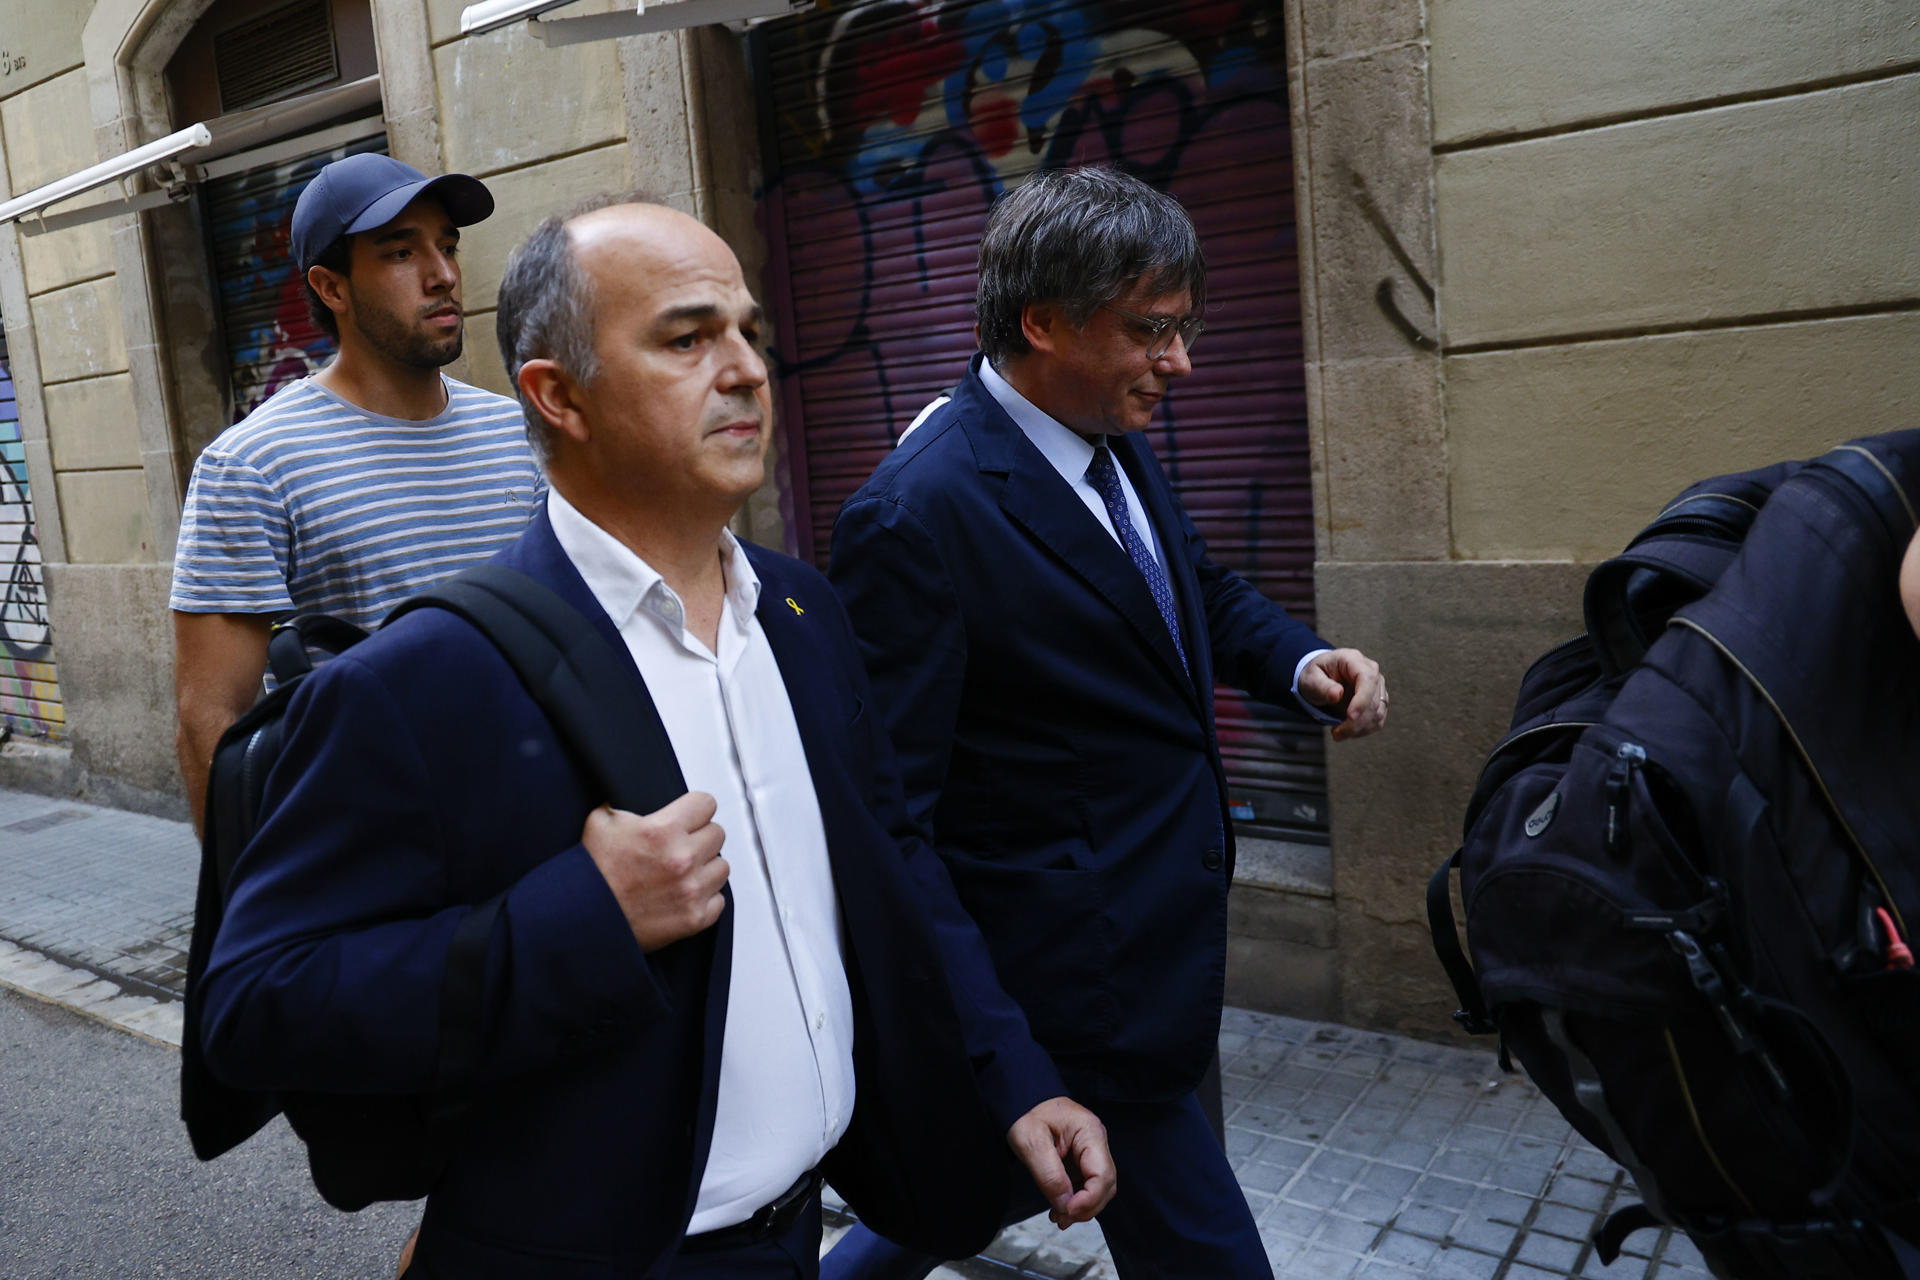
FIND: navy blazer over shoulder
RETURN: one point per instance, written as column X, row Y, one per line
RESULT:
column 1047, row 733
column 420, row 779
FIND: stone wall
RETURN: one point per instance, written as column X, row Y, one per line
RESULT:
column 1564, row 260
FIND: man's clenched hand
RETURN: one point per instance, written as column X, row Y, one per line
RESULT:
column 1064, row 1146
column 664, row 868
column 1346, row 682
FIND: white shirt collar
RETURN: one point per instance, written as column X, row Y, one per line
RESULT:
column 622, row 582
column 1069, row 451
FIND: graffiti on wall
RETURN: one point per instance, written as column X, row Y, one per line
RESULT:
column 902, row 122
column 898, row 122
column 29, row 692
column 270, row 339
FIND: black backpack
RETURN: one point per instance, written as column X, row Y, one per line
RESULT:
column 1691, row 872
column 360, row 1148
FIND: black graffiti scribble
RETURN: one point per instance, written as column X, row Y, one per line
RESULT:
column 24, row 631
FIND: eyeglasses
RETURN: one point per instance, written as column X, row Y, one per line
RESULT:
column 1163, row 329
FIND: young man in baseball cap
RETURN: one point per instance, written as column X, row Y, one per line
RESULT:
column 352, row 488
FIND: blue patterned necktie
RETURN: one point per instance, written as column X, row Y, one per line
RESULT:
column 1106, row 482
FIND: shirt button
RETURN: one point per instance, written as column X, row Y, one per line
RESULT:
column 820, row 1020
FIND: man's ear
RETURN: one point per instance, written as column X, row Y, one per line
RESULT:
column 332, row 288
column 1040, row 324
column 556, row 396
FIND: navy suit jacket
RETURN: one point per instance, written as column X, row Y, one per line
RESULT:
column 1047, row 733
column 419, row 779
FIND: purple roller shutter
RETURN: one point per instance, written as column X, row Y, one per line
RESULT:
column 890, row 128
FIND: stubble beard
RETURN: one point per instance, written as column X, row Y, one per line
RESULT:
column 393, row 338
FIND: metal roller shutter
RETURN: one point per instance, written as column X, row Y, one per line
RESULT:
column 891, row 126
column 29, row 686
column 263, row 298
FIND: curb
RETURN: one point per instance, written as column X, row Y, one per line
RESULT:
column 91, row 993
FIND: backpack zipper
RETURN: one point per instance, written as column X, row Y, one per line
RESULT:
column 1628, row 757
column 1806, row 759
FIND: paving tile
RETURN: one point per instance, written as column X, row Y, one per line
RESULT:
column 1550, row 1252
column 1285, row 1152
column 1407, row 1251
column 1347, row 1235
column 1321, row 1264
column 1258, row 1176
column 1321, row 1193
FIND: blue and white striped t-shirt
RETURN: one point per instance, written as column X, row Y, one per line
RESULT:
column 312, row 503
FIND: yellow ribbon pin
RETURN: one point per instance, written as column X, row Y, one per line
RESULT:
column 794, row 605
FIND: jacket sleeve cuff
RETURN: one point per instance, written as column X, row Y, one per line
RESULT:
column 1015, row 1082
column 569, row 935
column 1299, row 668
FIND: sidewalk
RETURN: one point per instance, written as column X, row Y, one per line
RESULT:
column 1363, row 1156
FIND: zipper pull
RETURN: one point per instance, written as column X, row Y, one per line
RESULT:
column 1899, row 955
column 1619, row 783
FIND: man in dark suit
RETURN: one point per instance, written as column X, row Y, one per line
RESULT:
column 1043, row 628
column 676, row 1042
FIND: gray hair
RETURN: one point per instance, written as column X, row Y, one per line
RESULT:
column 1081, row 238
column 546, row 310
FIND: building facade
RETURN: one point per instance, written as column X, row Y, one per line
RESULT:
column 1491, row 280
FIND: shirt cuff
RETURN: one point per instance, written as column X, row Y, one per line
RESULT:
column 1316, row 712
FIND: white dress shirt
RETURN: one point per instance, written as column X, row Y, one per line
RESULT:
column 786, row 1068
column 1071, row 454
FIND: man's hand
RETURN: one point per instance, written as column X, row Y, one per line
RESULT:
column 1064, row 1147
column 665, row 868
column 1347, row 682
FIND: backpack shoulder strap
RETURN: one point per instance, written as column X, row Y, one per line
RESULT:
column 589, row 692
column 1674, row 561
column 1472, row 1014
column 288, row 642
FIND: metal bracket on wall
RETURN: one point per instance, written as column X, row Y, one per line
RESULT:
column 490, row 15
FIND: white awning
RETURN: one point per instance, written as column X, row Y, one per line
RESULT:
column 489, row 15
column 211, row 149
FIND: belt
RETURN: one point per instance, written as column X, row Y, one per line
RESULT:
column 768, row 1221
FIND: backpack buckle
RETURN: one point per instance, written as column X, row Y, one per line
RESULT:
column 1474, row 1024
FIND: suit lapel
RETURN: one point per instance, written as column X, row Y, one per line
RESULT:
column 1039, row 500
column 538, row 553
column 794, row 632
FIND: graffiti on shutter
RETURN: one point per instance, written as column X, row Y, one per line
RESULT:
column 29, row 690
column 263, row 296
column 895, row 123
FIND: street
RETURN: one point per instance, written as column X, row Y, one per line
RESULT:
column 97, row 1179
